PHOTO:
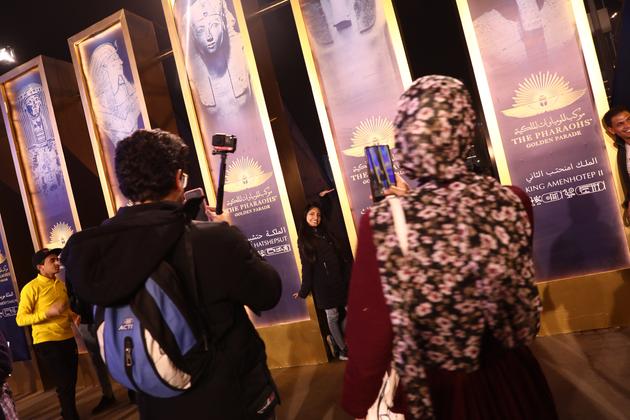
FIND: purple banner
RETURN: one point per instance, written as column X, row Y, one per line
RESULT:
column 9, row 304
column 113, row 95
column 551, row 133
column 220, row 79
column 361, row 83
column 41, row 159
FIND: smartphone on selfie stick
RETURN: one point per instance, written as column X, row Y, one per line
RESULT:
column 222, row 144
column 380, row 170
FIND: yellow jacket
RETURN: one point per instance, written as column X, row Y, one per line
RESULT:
column 35, row 299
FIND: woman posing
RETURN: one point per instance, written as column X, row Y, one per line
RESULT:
column 323, row 273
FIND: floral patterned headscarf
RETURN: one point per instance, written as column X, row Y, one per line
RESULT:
column 434, row 128
column 468, row 270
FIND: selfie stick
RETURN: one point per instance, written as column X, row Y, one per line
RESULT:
column 219, row 204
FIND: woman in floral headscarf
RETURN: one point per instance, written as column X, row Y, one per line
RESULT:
column 454, row 314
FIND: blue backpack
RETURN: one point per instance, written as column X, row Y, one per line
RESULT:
column 155, row 344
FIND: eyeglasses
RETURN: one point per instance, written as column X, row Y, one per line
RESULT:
column 183, row 179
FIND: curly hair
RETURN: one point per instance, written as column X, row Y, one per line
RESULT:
column 147, row 163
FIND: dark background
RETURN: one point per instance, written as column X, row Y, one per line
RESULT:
column 431, row 32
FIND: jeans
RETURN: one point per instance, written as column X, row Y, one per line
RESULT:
column 88, row 332
column 61, row 360
column 332, row 316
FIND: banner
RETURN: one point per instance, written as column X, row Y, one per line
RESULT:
column 532, row 62
column 358, row 70
column 38, row 156
column 9, row 303
column 228, row 99
column 111, row 94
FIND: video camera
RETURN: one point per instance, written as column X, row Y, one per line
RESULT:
column 223, row 143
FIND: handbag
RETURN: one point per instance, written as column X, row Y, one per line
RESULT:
column 381, row 409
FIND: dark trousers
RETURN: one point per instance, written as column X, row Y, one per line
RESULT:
column 88, row 333
column 61, row 360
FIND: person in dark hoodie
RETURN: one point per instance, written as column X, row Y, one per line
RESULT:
column 107, row 264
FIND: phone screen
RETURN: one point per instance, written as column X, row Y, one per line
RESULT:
column 380, row 170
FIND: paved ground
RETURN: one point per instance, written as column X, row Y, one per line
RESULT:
column 589, row 375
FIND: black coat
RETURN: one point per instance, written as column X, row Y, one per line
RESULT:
column 327, row 276
column 5, row 360
column 107, row 264
column 624, row 176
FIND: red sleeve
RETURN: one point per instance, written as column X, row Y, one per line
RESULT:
column 526, row 202
column 368, row 332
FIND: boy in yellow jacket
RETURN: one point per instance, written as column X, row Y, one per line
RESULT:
column 44, row 306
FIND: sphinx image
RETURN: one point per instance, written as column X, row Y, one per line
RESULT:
column 116, row 103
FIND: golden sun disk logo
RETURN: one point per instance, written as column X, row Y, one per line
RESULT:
column 59, row 235
column 2, row 258
column 244, row 173
column 372, row 131
column 540, row 93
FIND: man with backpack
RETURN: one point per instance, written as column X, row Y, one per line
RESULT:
column 183, row 285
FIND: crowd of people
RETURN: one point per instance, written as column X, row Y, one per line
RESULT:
column 441, row 295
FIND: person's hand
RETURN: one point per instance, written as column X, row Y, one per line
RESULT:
column 77, row 320
column 626, row 216
column 324, row 192
column 56, row 309
column 400, row 189
column 295, row 295
column 213, row 217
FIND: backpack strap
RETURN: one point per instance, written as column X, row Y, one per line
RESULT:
column 400, row 223
column 201, row 308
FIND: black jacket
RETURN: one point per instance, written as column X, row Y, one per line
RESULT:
column 623, row 170
column 326, row 277
column 5, row 360
column 106, row 265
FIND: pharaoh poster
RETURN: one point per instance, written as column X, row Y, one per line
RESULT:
column 113, row 96
column 225, row 101
column 40, row 160
column 551, row 134
column 9, row 303
column 360, row 79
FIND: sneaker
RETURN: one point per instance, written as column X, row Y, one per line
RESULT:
column 104, row 404
column 343, row 355
column 332, row 346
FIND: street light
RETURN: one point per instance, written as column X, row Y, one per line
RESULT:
column 7, row 55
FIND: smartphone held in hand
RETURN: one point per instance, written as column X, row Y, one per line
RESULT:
column 380, row 170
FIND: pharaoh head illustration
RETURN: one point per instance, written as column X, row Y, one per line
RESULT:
column 59, row 234
column 372, row 131
column 244, row 173
column 33, row 115
column 215, row 52
column 33, row 105
column 540, row 93
column 116, row 106
column 210, row 25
